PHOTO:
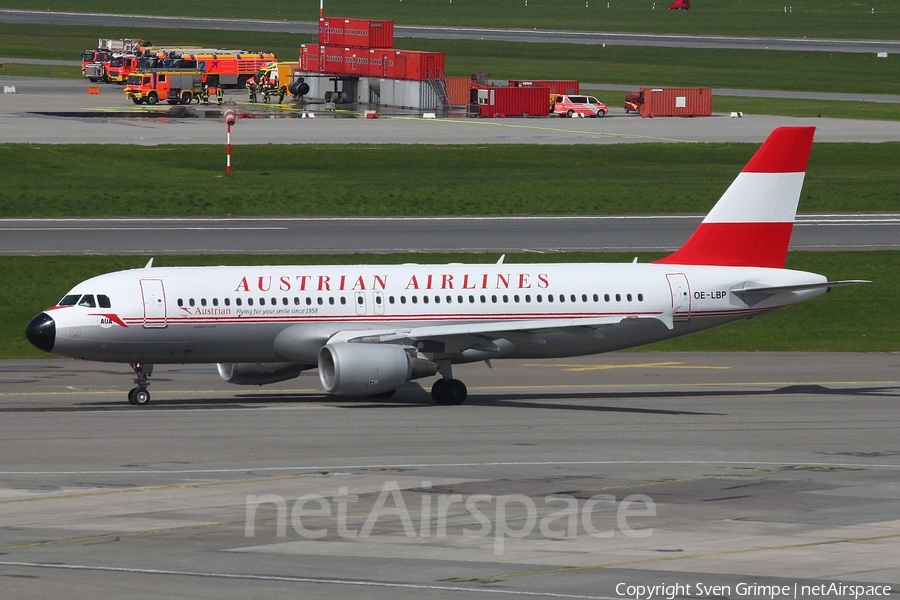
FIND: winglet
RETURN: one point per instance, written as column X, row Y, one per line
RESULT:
column 751, row 224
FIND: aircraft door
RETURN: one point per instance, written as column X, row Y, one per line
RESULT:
column 154, row 302
column 681, row 295
column 360, row 299
column 378, row 297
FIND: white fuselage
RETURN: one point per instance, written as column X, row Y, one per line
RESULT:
column 287, row 313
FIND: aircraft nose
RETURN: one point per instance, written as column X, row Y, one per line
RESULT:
column 41, row 332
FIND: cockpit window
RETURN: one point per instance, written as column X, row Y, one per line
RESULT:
column 103, row 301
column 70, row 300
column 88, row 301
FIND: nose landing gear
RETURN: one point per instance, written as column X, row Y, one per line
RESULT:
column 139, row 396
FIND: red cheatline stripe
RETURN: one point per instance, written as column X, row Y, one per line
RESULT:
column 786, row 150
column 735, row 245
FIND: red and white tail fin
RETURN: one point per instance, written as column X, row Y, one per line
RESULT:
column 751, row 224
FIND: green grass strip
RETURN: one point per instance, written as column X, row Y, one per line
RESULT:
column 873, row 19
column 852, row 319
column 379, row 180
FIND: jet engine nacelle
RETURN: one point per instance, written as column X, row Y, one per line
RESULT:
column 362, row 369
column 259, row 373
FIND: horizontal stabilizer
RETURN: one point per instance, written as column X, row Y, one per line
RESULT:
column 753, row 293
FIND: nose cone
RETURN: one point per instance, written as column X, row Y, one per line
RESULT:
column 41, row 332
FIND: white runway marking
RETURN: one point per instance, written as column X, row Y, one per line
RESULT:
column 317, row 580
column 472, row 464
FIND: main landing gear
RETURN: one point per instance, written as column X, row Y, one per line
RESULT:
column 448, row 391
column 139, row 396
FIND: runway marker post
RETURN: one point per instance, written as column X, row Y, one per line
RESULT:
column 229, row 117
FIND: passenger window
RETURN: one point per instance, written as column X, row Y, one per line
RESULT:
column 425, row 299
column 262, row 301
column 87, row 300
column 238, row 301
column 215, row 301
column 308, row 301
column 227, row 301
column 103, row 301
column 191, row 302
column 202, row 301
column 640, row 297
column 331, row 300
column 319, row 301
column 180, row 302
column 249, row 301
column 343, row 300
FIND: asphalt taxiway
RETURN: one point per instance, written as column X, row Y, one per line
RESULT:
column 567, row 478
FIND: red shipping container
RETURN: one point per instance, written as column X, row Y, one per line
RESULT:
column 514, row 101
column 423, row 65
column 381, row 63
column 556, row 86
column 676, row 102
column 359, row 33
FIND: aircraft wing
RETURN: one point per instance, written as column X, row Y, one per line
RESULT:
column 525, row 329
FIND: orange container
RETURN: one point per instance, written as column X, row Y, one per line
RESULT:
column 458, row 89
column 676, row 102
column 93, row 90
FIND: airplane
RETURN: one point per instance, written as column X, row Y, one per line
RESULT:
column 369, row 329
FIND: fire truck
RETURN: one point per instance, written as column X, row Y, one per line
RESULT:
column 175, row 86
column 232, row 67
column 95, row 64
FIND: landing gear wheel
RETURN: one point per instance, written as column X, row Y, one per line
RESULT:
column 140, row 397
column 449, row 392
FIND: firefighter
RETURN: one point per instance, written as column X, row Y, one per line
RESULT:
column 281, row 93
column 251, row 87
column 204, row 94
column 220, row 95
